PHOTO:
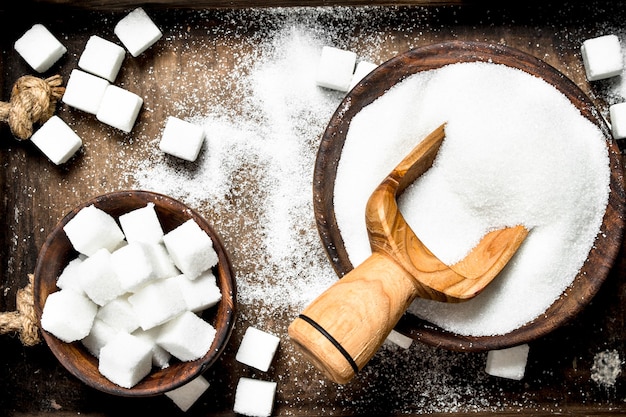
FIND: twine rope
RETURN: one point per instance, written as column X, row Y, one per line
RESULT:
column 23, row 321
column 33, row 100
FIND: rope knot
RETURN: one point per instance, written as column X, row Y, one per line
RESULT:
column 24, row 320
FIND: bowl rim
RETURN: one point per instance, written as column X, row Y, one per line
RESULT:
column 180, row 372
column 608, row 240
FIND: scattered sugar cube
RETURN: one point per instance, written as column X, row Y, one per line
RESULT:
column 335, row 68
column 508, row 363
column 142, row 225
column 98, row 279
column 84, row 91
column 125, row 360
column 92, row 229
column 191, row 249
column 161, row 261
column 70, row 277
column 399, row 339
column 185, row 396
column 102, row 57
column 157, row 303
column 68, row 315
column 56, row 140
column 257, row 349
column 133, row 265
column 137, row 31
column 39, row 48
column 362, row 69
column 200, row 293
column 187, row 337
column 254, row 398
column 182, row 139
column 119, row 108
column 602, row 57
column 99, row 335
column 119, row 314
column 617, row 113
column 160, row 356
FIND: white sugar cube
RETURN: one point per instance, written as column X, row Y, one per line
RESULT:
column 335, row 68
column 160, row 356
column 125, row 360
column 182, row 139
column 39, row 48
column 185, row 396
column 187, row 337
column 99, row 335
column 508, row 363
column 200, row 293
column 254, row 398
column 119, row 314
column 191, row 249
column 137, row 31
column 92, row 229
column 157, row 303
column 399, row 339
column 84, row 91
column 602, row 57
column 142, row 225
column 362, row 69
column 161, row 261
column 617, row 114
column 98, row 279
column 257, row 349
column 70, row 276
column 119, row 108
column 68, row 315
column 56, row 140
column 133, row 265
column 102, row 57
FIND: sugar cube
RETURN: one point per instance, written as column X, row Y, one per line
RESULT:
column 399, row 339
column 56, row 140
column 508, row 363
column 68, row 315
column 99, row 335
column 200, row 293
column 617, row 114
column 142, row 225
column 137, row 31
column 102, row 57
column 182, row 139
column 119, row 108
column 84, row 91
column 161, row 261
column 91, row 229
column 254, row 398
column 98, row 279
column 335, row 68
column 70, row 276
column 602, row 57
column 191, row 249
column 119, row 314
column 257, row 349
column 39, row 48
column 186, row 395
column 160, row 356
column 187, row 336
column 157, row 302
column 125, row 360
column 362, row 69
column 133, row 266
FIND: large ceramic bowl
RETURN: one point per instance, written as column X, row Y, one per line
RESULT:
column 57, row 252
column 606, row 245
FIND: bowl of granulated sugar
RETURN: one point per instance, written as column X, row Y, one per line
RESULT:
column 135, row 293
column 523, row 145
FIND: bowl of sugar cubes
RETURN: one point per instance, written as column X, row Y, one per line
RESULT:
column 135, row 293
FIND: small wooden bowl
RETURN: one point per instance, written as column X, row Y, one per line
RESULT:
column 607, row 243
column 57, row 252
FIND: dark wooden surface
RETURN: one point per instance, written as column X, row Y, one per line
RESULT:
column 425, row 379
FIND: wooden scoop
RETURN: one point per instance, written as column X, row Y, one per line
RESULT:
column 344, row 327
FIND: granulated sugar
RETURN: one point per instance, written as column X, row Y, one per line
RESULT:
column 516, row 152
column 607, row 365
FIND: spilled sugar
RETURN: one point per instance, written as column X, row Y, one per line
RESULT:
column 607, row 365
column 525, row 157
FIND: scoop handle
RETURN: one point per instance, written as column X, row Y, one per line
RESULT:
column 343, row 328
